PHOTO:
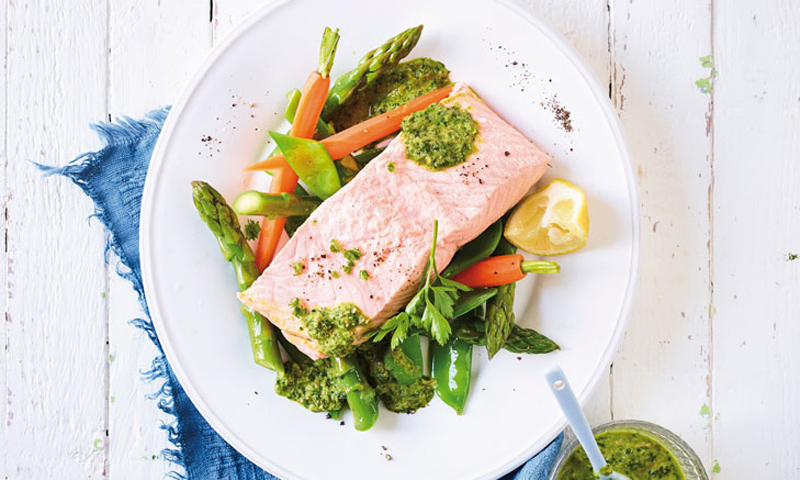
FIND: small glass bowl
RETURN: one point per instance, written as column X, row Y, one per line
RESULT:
column 687, row 458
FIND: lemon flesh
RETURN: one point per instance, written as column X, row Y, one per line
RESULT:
column 551, row 221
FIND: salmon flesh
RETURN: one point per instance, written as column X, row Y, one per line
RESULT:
column 387, row 213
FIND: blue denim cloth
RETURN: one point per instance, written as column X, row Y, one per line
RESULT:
column 113, row 178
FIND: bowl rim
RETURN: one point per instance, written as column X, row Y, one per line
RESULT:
column 654, row 430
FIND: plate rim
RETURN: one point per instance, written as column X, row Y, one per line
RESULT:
column 157, row 161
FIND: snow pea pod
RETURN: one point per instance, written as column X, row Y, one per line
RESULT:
column 361, row 398
column 452, row 370
column 405, row 363
column 469, row 301
column 473, row 252
column 311, row 162
column 412, row 349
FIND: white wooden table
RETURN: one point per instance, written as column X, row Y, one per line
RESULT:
column 711, row 351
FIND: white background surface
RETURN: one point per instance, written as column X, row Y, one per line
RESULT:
column 715, row 319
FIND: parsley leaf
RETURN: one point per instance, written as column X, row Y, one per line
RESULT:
column 251, row 229
column 445, row 300
column 440, row 326
column 429, row 311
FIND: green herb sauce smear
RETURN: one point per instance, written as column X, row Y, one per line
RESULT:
column 402, row 393
column 312, row 385
column 440, row 137
column 332, row 327
column 393, row 88
column 630, row 453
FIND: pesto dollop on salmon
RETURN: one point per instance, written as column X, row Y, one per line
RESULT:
column 440, row 137
column 332, row 327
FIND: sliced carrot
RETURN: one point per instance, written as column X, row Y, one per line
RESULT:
column 366, row 132
column 284, row 180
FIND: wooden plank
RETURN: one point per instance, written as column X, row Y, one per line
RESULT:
column 3, row 252
column 661, row 373
column 56, row 320
column 155, row 48
column 756, row 226
column 227, row 14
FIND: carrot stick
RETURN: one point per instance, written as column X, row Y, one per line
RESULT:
column 284, row 179
column 502, row 270
column 310, row 106
column 271, row 230
column 366, row 132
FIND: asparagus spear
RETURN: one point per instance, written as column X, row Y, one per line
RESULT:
column 369, row 67
column 274, row 206
column 520, row 340
column 224, row 224
column 500, row 308
column 361, row 397
column 528, row 340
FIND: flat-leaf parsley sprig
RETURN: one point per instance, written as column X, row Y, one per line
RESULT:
column 430, row 310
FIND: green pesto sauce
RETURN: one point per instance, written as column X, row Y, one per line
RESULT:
column 393, row 88
column 634, row 454
column 312, row 385
column 440, row 137
column 402, row 397
column 332, row 327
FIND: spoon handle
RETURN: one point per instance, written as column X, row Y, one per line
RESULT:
column 560, row 387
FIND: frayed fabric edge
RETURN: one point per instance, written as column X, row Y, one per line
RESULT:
column 127, row 130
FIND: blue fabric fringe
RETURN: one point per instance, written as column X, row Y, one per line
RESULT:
column 113, row 178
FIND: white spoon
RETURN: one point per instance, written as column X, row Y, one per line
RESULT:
column 559, row 385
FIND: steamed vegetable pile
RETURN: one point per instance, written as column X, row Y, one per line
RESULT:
column 336, row 129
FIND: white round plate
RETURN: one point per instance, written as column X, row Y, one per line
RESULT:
column 522, row 70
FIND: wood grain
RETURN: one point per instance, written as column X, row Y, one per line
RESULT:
column 227, row 14
column 155, row 48
column 3, row 251
column 55, row 318
column 756, row 369
column 661, row 371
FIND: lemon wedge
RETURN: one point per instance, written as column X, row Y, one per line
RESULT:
column 551, row 221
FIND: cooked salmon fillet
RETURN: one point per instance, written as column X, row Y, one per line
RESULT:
column 387, row 212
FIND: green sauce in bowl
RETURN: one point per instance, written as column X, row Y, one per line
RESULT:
column 631, row 453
